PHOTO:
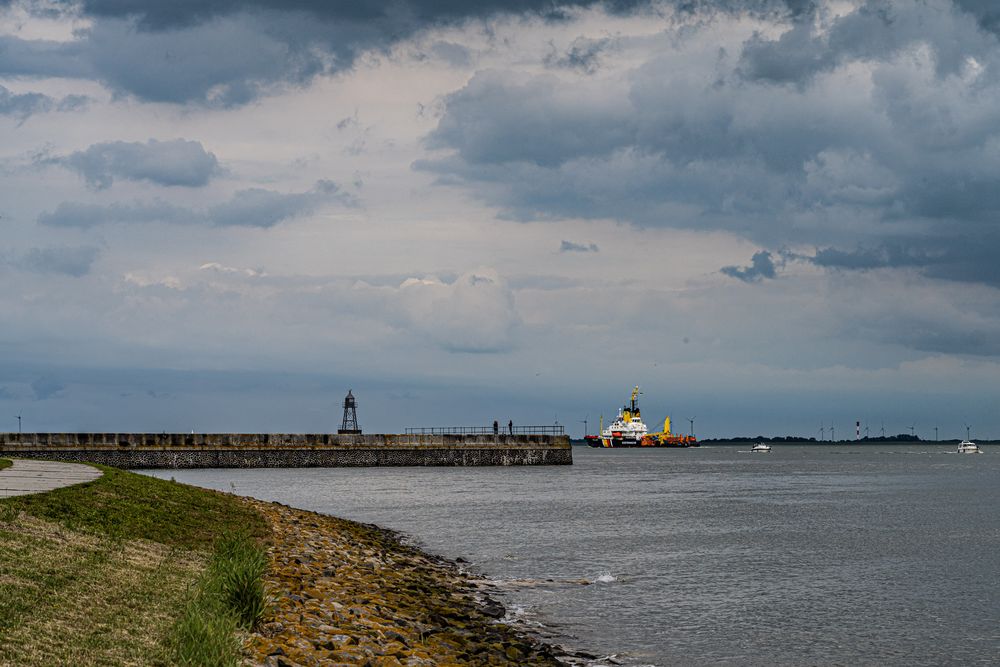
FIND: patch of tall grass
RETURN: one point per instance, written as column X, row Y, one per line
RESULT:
column 230, row 596
column 5, row 463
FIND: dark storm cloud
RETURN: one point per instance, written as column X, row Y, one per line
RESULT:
column 226, row 53
column 254, row 207
column 569, row 246
column 761, row 266
column 967, row 259
column 882, row 256
column 178, row 162
column 70, row 261
column 877, row 30
column 895, row 157
column 413, row 14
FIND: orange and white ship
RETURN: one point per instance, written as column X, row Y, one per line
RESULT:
column 628, row 430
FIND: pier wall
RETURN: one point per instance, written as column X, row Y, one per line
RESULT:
column 284, row 450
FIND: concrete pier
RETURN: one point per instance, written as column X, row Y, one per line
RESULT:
column 285, row 450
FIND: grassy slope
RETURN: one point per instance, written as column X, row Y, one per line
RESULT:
column 123, row 505
column 4, row 463
column 98, row 573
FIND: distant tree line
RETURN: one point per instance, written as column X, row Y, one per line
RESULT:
column 902, row 437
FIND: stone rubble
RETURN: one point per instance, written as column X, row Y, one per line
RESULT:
column 345, row 593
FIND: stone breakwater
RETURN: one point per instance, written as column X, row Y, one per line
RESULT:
column 345, row 593
column 275, row 450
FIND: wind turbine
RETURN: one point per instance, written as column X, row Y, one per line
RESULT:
column 883, row 428
column 967, row 427
column 691, row 421
column 911, row 429
column 19, row 424
column 935, row 434
column 585, row 431
column 832, row 434
column 822, row 432
column 866, row 431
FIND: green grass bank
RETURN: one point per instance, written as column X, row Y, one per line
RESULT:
column 133, row 570
column 125, row 570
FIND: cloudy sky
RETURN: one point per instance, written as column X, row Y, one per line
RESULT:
column 770, row 214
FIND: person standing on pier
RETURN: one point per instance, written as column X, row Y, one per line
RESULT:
column 496, row 427
column 510, row 426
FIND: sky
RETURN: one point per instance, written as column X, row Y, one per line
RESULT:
column 772, row 215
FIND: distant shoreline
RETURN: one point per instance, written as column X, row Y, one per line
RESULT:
column 579, row 442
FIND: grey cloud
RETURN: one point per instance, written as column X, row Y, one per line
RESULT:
column 499, row 118
column 877, row 30
column 177, row 162
column 223, row 63
column 986, row 12
column 45, row 58
column 689, row 140
column 569, row 246
column 66, row 260
column 794, row 57
column 160, row 16
column 455, row 55
column 254, row 207
column 868, row 258
column 761, row 266
column 969, row 259
column 942, row 328
column 410, row 15
column 931, row 336
column 265, row 208
column 583, row 55
column 73, row 103
column 227, row 53
column 24, row 105
column 46, row 388
column 76, row 214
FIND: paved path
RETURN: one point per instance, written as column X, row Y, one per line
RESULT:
column 29, row 476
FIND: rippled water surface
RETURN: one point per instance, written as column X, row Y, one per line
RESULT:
column 808, row 555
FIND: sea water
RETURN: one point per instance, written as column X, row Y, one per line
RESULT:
column 808, row 555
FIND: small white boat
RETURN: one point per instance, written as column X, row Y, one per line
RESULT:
column 968, row 447
column 760, row 447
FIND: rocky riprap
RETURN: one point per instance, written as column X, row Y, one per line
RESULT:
column 344, row 593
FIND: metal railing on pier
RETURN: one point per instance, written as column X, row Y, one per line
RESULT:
column 556, row 429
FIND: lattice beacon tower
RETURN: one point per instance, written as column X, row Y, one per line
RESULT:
column 350, row 425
